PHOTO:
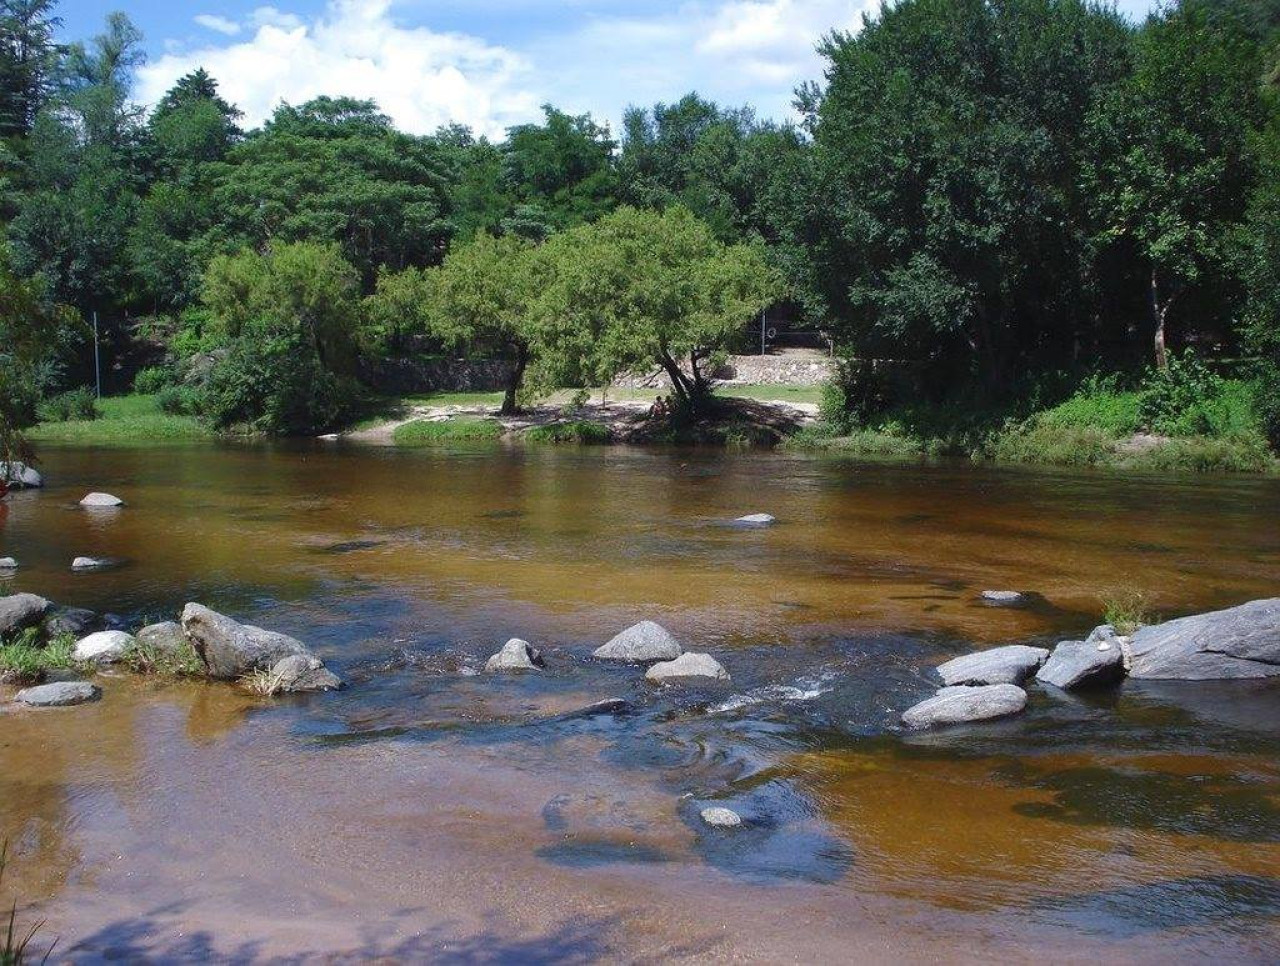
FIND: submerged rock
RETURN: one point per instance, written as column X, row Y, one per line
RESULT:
column 721, row 817
column 21, row 476
column 1083, row 664
column 104, row 647
column 166, row 637
column 230, row 649
column 1004, row 598
column 756, row 520
column 640, row 644
column 959, row 705
column 607, row 706
column 75, row 621
column 101, row 500
column 92, row 563
column 688, row 666
column 516, row 655
column 1240, row 642
column 20, row 611
column 61, row 694
column 303, row 672
column 1012, row 664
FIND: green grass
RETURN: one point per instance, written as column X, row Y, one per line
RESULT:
column 1126, row 610
column 183, row 662
column 123, row 420
column 792, row 394
column 455, row 399
column 577, row 431
column 422, row 432
column 1114, row 413
column 25, row 660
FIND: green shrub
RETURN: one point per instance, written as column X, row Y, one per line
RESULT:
column 77, row 404
column 1067, row 445
column 1242, row 453
column 422, row 432
column 1126, row 610
column 578, row 431
column 180, row 401
column 153, row 380
column 1266, row 398
column 1099, row 403
column 1177, row 400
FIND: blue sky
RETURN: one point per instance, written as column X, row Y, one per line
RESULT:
column 486, row 63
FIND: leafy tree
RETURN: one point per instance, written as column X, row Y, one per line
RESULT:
column 1171, row 167
column 192, row 123
column 643, row 288
column 28, row 61
column 562, row 168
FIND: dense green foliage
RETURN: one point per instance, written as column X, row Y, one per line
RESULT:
column 991, row 208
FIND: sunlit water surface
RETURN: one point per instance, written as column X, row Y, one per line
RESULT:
column 431, row 812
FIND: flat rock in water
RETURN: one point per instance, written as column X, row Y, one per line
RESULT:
column 607, row 706
column 1012, row 664
column 230, row 649
column 104, row 647
column 101, row 500
column 92, row 563
column 20, row 611
column 960, row 705
column 303, row 672
column 516, row 655
column 688, row 666
column 1240, row 642
column 61, row 694
column 1083, row 664
column 8, row 563
column 721, row 817
column 640, row 644
column 1004, row 598
column 756, row 520
column 166, row 637
column 21, row 476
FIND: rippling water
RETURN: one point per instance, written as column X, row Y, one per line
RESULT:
column 433, row 812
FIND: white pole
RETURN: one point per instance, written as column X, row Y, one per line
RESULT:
column 762, row 332
column 97, row 365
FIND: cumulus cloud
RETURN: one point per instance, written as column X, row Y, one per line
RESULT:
column 218, row 24
column 422, row 78
column 596, row 57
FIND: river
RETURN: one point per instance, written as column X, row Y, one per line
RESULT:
column 428, row 812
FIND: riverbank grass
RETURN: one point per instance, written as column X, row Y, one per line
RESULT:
column 424, row 432
column 123, row 420
column 24, row 660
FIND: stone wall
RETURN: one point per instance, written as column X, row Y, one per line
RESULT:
column 780, row 370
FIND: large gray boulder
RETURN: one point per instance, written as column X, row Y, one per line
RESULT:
column 230, row 649
column 61, row 694
column 166, row 637
column 104, row 647
column 516, row 655
column 302, row 672
column 961, row 705
column 20, row 611
column 101, row 500
column 1012, row 664
column 20, row 475
column 1083, row 664
column 687, row 666
column 640, row 644
column 1240, row 642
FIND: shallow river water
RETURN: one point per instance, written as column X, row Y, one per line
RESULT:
column 428, row 812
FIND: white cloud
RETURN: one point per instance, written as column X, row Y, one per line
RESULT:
column 420, row 77
column 218, row 24
column 598, row 60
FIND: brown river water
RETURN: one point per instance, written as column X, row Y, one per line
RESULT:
column 429, row 813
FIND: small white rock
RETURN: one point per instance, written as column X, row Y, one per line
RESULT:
column 756, row 520
column 721, row 817
column 104, row 647
column 101, row 500
column 688, row 665
column 89, row 563
column 8, row 563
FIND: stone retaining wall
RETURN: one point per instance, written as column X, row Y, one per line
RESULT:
column 784, row 370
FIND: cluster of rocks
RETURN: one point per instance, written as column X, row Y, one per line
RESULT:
column 644, row 643
column 20, row 476
column 227, row 649
column 1240, row 642
column 24, row 476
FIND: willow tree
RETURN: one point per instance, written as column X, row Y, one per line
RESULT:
column 642, row 288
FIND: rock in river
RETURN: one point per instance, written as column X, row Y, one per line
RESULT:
column 92, row 563
column 8, row 563
column 1082, row 664
column 104, row 647
column 166, row 637
column 960, row 705
column 20, row 475
column 756, row 520
column 230, row 649
column 302, row 672
column 516, row 655
column 688, row 666
column 101, row 500
column 1240, row 642
column 1004, row 598
column 640, row 644
column 721, row 817
column 63, row 694
column 20, row 611
column 1000, row 665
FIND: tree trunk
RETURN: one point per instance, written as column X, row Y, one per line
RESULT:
column 1159, row 316
column 679, row 381
column 509, row 404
